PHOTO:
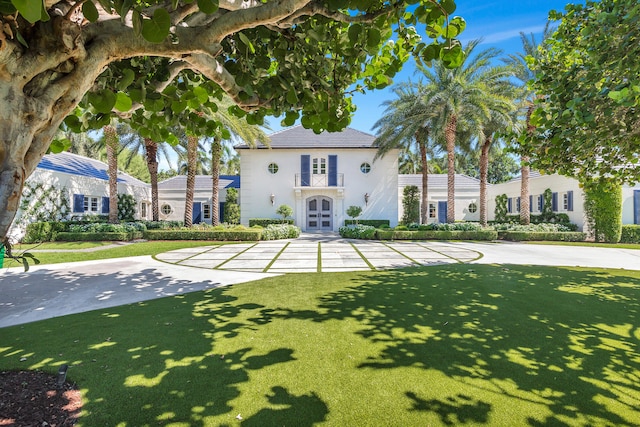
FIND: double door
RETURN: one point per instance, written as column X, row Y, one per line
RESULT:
column 319, row 213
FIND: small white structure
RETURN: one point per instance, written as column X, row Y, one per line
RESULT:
column 171, row 196
column 467, row 196
column 72, row 185
column 319, row 176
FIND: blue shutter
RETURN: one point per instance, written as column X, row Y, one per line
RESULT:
column 197, row 213
column 333, row 170
column 78, row 203
column 221, row 211
column 554, row 202
column 530, row 203
column 509, row 204
column 570, row 201
column 305, row 170
column 518, row 204
column 442, row 212
column 540, row 202
column 105, row 205
column 636, row 206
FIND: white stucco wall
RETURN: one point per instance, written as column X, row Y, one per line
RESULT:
column 258, row 184
column 176, row 200
column 463, row 199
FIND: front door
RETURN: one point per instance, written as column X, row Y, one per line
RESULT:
column 319, row 213
column 442, row 212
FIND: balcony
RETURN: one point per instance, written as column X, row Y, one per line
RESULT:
column 320, row 181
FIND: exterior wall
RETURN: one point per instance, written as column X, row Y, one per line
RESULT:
column 630, row 208
column 537, row 185
column 463, row 200
column 175, row 199
column 258, row 184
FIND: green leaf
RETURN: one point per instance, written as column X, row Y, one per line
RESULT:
column 354, row 33
column 136, row 21
column 208, row 6
column 373, row 37
column 125, row 8
column 449, row 6
column 201, row 94
column 103, row 101
column 90, row 11
column 31, row 10
column 128, row 76
column 156, row 29
column 178, row 106
column 247, row 42
column 123, row 102
column 59, row 145
column 456, row 26
column 292, row 96
column 452, row 57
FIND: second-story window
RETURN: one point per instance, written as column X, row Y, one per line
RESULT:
column 319, row 166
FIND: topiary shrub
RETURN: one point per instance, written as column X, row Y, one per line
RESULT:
column 263, row 222
column 354, row 212
column 126, row 207
column 630, row 234
column 500, row 214
column 410, row 204
column 231, row 207
column 284, row 211
column 603, row 209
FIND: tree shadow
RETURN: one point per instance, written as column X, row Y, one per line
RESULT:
column 302, row 411
column 452, row 411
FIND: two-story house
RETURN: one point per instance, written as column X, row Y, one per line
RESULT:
column 320, row 177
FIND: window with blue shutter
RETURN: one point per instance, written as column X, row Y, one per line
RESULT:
column 570, row 201
column 197, row 213
column 105, row 205
column 554, row 202
column 636, row 206
column 518, row 204
column 305, row 170
column 540, row 202
column 509, row 204
column 333, row 170
column 530, row 203
column 78, row 203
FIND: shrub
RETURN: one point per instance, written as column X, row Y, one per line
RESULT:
column 44, row 231
column 410, row 204
column 401, row 228
column 263, row 222
column 630, row 234
column 480, row 234
column 126, row 207
column 359, row 231
column 603, row 208
column 562, row 236
column 235, row 234
column 280, row 231
column 162, row 225
column 372, row 222
column 95, row 236
column 500, row 213
column 534, row 228
column 354, row 212
column 285, row 211
column 231, row 207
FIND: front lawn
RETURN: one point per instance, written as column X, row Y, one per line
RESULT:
column 447, row 345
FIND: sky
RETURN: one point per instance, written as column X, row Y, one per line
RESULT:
column 497, row 22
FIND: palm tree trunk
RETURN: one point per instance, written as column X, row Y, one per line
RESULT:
column 216, row 153
column 111, row 144
column 450, row 138
column 151, row 149
column 484, row 168
column 525, row 215
column 424, row 203
column 192, row 153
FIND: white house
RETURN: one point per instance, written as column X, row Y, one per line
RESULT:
column 67, row 184
column 320, row 177
column 467, row 196
column 171, row 195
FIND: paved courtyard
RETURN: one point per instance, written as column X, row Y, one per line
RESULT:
column 312, row 255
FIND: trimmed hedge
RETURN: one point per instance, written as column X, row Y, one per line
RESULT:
column 359, row 231
column 372, row 222
column 219, row 235
column 280, row 231
column 436, row 235
column 122, row 236
column 263, row 222
column 560, row 236
column 46, row 231
column 630, row 234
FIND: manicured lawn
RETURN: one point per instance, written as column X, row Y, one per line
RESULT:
column 448, row 345
column 59, row 245
column 591, row 244
column 135, row 249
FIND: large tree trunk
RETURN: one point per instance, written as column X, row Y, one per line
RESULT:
column 192, row 152
column 111, row 144
column 151, row 149
column 525, row 214
column 424, row 203
column 450, row 138
column 484, row 168
column 216, row 153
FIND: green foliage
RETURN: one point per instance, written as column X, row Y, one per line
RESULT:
column 630, row 234
column 43, row 231
column 534, row 228
column 264, row 222
column 455, row 226
column 603, row 209
column 42, row 202
column 378, row 223
column 237, row 234
column 358, row 231
column 354, row 212
column 410, row 204
column 162, row 225
column 500, row 213
column 108, row 236
column 547, row 205
column 401, row 233
column 126, row 207
column 587, row 121
column 521, row 236
column 280, row 231
column 231, row 207
column 285, row 211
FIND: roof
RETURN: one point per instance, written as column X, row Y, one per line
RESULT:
column 299, row 137
column 203, row 182
column 77, row 165
column 438, row 181
column 532, row 174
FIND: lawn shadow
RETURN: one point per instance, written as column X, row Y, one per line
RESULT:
column 563, row 338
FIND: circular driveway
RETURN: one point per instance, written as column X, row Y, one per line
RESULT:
column 319, row 255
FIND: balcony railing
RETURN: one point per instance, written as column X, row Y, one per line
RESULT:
column 320, row 180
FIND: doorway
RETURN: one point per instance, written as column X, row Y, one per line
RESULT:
column 319, row 213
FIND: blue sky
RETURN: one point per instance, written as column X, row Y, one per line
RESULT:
column 498, row 23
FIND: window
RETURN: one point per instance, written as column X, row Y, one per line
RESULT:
column 319, row 166
column 540, row 202
column 565, row 201
column 365, row 167
column 143, row 210
column 90, row 204
column 518, row 204
column 273, row 168
column 166, row 209
column 432, row 210
column 473, row 208
column 206, row 211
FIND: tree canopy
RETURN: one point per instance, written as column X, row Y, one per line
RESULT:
column 588, row 80
column 298, row 59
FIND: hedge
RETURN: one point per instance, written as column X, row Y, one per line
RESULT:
column 561, row 236
column 68, row 236
column 263, row 222
column 372, row 222
column 44, row 231
column 630, row 234
column 436, row 235
column 219, row 235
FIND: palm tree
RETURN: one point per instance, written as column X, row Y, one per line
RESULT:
column 522, row 72
column 406, row 124
column 458, row 98
column 112, row 144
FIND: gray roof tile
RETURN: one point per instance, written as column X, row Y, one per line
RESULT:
column 203, row 182
column 299, row 137
column 439, row 181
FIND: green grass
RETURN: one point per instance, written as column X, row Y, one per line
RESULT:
column 591, row 244
column 134, row 249
column 447, row 345
column 59, row 245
